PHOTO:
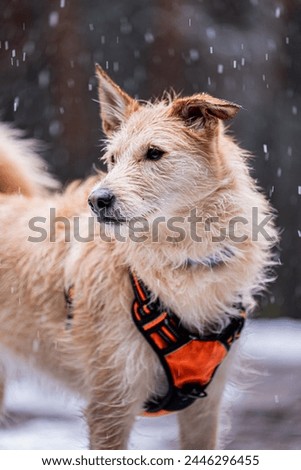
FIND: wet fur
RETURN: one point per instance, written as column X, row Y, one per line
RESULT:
column 102, row 355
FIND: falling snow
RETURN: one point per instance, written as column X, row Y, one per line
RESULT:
column 149, row 37
column 194, row 54
column 53, row 19
column 211, row 33
column 278, row 12
column 294, row 110
column 55, row 128
column 16, row 103
column 44, row 78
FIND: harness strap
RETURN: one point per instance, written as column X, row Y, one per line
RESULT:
column 69, row 296
column 189, row 361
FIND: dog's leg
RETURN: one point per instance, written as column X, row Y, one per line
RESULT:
column 199, row 424
column 109, row 425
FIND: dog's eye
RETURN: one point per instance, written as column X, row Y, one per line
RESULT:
column 154, row 153
column 112, row 159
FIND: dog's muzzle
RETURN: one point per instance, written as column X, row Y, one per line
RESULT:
column 101, row 202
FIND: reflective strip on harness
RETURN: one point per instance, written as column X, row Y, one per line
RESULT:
column 188, row 360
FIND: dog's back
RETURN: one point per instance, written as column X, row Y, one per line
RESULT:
column 21, row 169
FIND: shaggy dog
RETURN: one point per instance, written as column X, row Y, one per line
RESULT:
column 178, row 208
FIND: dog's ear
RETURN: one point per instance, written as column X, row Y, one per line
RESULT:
column 201, row 111
column 115, row 104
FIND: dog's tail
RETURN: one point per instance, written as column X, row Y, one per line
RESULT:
column 21, row 169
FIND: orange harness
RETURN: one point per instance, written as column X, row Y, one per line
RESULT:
column 189, row 360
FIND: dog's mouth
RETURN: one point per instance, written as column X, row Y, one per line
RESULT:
column 103, row 219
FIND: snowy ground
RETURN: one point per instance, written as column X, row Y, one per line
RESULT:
column 265, row 415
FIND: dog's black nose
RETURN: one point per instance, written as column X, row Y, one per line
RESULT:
column 101, row 199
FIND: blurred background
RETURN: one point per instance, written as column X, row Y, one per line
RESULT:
column 248, row 52
column 245, row 51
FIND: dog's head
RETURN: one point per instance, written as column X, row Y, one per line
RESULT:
column 163, row 157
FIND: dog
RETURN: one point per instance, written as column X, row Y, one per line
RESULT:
column 174, row 218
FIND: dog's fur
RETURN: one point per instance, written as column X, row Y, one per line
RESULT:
column 102, row 354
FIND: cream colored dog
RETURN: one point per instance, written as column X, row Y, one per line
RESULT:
column 169, row 162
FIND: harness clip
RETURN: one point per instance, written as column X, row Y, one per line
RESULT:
column 193, row 391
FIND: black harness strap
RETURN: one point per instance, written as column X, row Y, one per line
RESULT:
column 69, row 295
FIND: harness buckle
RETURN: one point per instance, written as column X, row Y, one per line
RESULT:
column 193, row 391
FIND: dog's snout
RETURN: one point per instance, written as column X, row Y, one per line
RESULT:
column 101, row 199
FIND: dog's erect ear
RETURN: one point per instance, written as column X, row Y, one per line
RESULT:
column 115, row 104
column 203, row 110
